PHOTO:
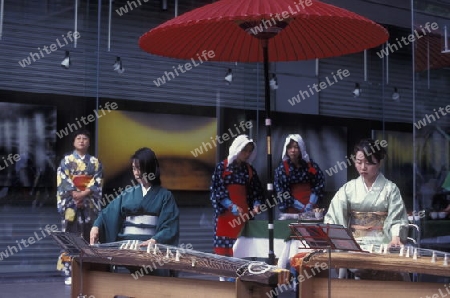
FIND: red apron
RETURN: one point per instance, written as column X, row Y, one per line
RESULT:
column 228, row 224
column 300, row 191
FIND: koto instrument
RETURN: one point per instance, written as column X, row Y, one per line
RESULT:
column 407, row 259
column 160, row 256
column 347, row 253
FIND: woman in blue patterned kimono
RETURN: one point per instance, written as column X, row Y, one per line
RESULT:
column 370, row 205
column 299, row 176
column 146, row 212
column 79, row 187
column 235, row 191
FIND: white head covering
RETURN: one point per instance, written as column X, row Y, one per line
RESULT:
column 238, row 144
column 301, row 144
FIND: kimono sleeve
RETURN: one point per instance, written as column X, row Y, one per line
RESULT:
column 281, row 185
column 96, row 183
column 338, row 210
column 64, row 187
column 397, row 215
column 167, row 229
column 256, row 192
column 219, row 192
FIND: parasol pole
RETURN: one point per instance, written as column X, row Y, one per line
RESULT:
column 268, row 123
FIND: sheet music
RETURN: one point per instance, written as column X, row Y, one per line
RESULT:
column 322, row 236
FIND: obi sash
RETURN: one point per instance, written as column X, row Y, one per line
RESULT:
column 139, row 225
column 81, row 181
column 367, row 227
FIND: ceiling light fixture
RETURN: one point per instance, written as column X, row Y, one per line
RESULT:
column 118, row 66
column 273, row 82
column 396, row 95
column 357, row 92
column 66, row 62
column 229, row 76
column 446, row 49
column 164, row 5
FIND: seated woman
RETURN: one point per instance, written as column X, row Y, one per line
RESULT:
column 147, row 212
column 370, row 205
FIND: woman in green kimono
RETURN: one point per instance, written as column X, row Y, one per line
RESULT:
column 370, row 205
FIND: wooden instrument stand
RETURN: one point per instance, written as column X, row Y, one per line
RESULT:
column 99, row 283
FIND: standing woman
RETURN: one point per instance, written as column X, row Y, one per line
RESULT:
column 299, row 176
column 235, row 190
column 79, row 182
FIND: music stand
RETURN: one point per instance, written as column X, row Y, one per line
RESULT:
column 325, row 236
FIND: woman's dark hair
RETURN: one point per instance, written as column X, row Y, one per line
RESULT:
column 81, row 132
column 148, row 165
column 371, row 150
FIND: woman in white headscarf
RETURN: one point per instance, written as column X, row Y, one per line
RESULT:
column 299, row 176
column 236, row 194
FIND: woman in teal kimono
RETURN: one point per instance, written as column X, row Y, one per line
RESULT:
column 146, row 212
column 370, row 205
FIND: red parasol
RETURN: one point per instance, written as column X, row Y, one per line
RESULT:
column 264, row 31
